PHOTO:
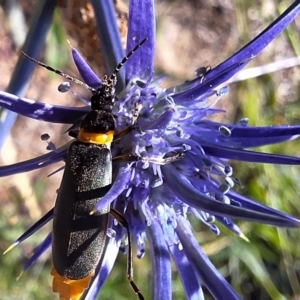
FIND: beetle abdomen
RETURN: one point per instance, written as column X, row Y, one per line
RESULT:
column 77, row 235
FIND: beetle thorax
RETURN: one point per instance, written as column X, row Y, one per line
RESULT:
column 98, row 121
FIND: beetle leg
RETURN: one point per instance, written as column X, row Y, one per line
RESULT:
column 168, row 158
column 119, row 135
column 122, row 221
column 137, row 108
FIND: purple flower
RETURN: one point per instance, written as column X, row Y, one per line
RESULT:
column 157, row 199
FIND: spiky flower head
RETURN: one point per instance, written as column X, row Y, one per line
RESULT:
column 156, row 198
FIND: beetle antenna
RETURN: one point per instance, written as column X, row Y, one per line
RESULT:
column 71, row 78
column 120, row 65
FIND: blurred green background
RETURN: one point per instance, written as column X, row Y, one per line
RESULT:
column 190, row 34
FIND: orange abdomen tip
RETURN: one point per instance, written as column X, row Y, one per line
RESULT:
column 69, row 289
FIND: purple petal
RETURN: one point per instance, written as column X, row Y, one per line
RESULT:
column 250, row 156
column 105, row 265
column 161, row 122
column 261, row 41
column 232, row 65
column 85, row 70
column 109, row 36
column 251, row 136
column 230, row 225
column 250, row 204
column 42, row 111
column 119, row 185
column 45, row 245
column 35, row 227
column 212, row 279
column 206, row 89
column 213, row 227
column 161, row 264
column 187, row 193
column 141, row 25
column 35, row 163
column 39, row 26
column 188, row 276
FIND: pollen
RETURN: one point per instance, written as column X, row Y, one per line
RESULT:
column 69, row 289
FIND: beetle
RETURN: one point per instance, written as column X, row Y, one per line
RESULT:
column 201, row 72
column 79, row 237
column 79, row 231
